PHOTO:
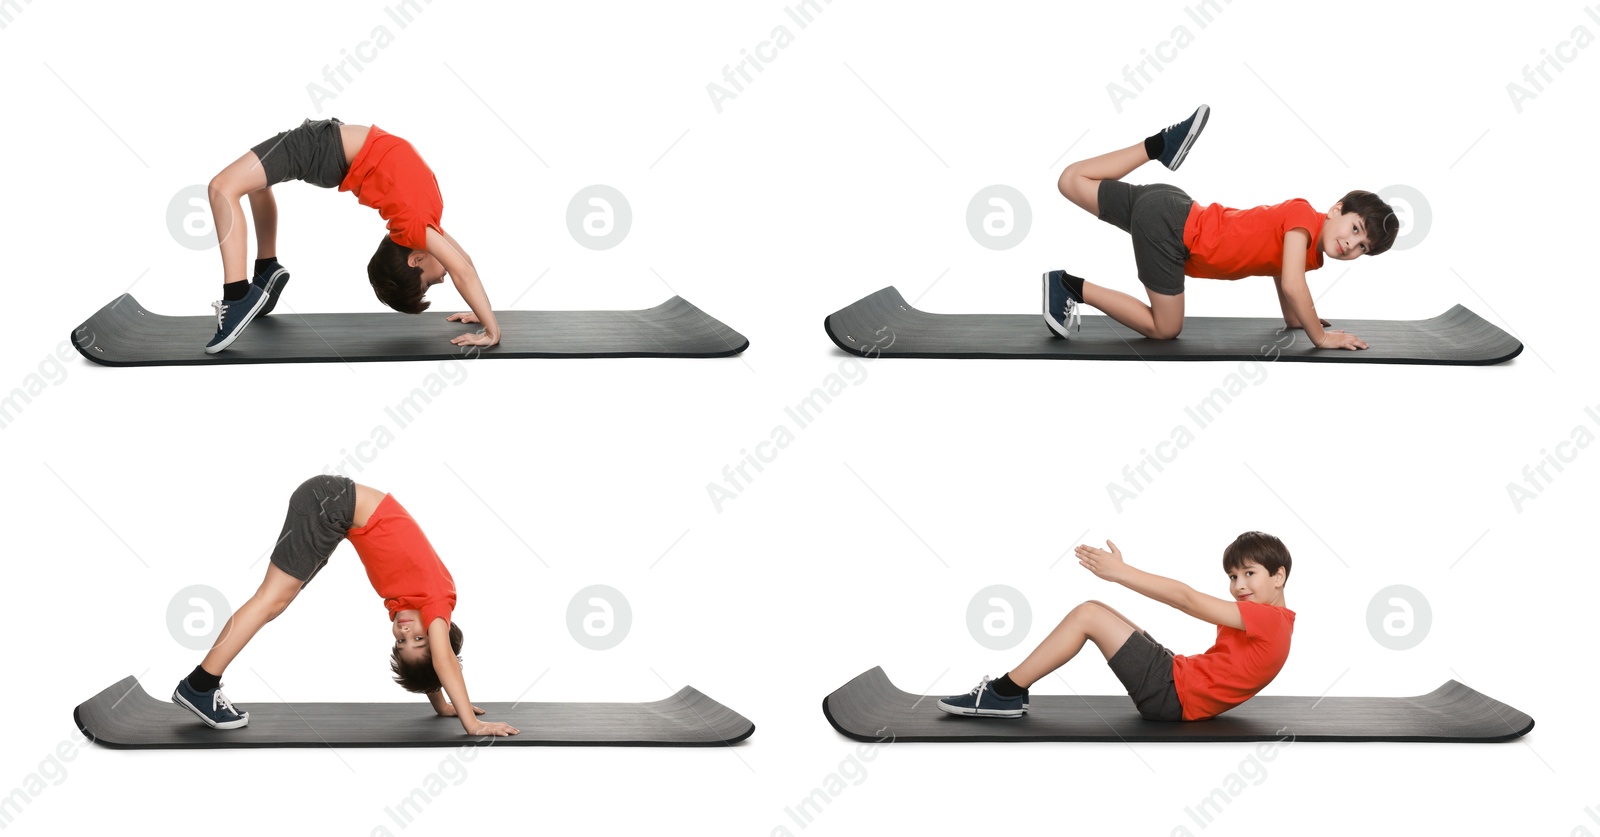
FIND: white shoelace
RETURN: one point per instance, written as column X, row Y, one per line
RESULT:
column 220, row 306
column 1073, row 320
column 983, row 686
column 220, row 701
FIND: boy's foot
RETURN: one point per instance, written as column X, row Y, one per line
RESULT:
column 271, row 281
column 212, row 707
column 1176, row 139
column 983, row 701
column 1060, row 304
column 232, row 317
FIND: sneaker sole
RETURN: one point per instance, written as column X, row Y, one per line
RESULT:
column 980, row 713
column 1194, row 133
column 1056, row 329
column 274, row 289
column 228, row 341
column 181, row 701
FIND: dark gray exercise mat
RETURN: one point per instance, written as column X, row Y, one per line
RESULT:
column 885, row 325
column 870, row 708
column 126, row 717
column 124, row 334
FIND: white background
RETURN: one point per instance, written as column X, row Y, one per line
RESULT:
column 844, row 167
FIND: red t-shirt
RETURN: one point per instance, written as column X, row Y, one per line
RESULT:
column 1234, row 243
column 389, row 176
column 1238, row 666
column 402, row 565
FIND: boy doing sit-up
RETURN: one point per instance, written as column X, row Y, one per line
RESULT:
column 1253, row 631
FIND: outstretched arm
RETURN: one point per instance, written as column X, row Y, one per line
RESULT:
column 448, row 668
column 1295, row 297
column 465, row 277
column 1111, row 567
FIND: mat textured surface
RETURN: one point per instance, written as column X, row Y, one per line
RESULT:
column 125, row 716
column 870, row 708
column 125, row 334
column 885, row 325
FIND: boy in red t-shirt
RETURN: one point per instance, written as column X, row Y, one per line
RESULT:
column 1252, row 643
column 416, row 588
column 1174, row 236
column 385, row 173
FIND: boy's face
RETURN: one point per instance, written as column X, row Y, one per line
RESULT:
column 433, row 271
column 1344, row 234
column 1250, row 583
column 410, row 637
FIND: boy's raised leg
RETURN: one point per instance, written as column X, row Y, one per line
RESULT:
column 1080, row 182
column 1088, row 621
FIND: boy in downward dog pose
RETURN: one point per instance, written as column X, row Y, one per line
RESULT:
column 1252, row 644
column 384, row 172
column 1174, row 236
column 416, row 588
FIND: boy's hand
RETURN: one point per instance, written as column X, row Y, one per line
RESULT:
column 449, row 711
column 1107, row 565
column 477, row 338
column 1340, row 339
column 491, row 728
column 469, row 317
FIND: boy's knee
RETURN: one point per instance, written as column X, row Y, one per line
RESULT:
column 1089, row 607
column 1068, row 180
column 1166, row 331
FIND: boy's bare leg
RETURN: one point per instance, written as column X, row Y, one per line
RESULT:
column 277, row 590
column 242, row 177
column 264, row 211
column 1162, row 319
column 1088, row 621
column 1080, row 182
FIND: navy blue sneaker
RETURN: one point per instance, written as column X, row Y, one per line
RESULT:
column 232, row 317
column 272, row 283
column 212, row 707
column 1060, row 304
column 983, row 701
column 1176, row 139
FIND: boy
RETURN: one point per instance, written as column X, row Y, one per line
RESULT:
column 1174, row 235
column 1252, row 643
column 416, row 588
column 385, row 173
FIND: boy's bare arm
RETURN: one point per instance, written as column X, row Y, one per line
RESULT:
column 448, row 668
column 1295, row 296
column 1290, row 318
column 1168, row 591
column 465, row 277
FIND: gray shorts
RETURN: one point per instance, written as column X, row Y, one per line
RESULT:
column 313, row 152
column 321, row 512
column 1154, row 215
column 1145, row 668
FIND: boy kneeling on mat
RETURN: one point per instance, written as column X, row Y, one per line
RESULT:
column 1174, row 236
column 384, row 172
column 1252, row 644
column 416, row 588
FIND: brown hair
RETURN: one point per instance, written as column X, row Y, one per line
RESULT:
column 395, row 282
column 1260, row 548
column 419, row 677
